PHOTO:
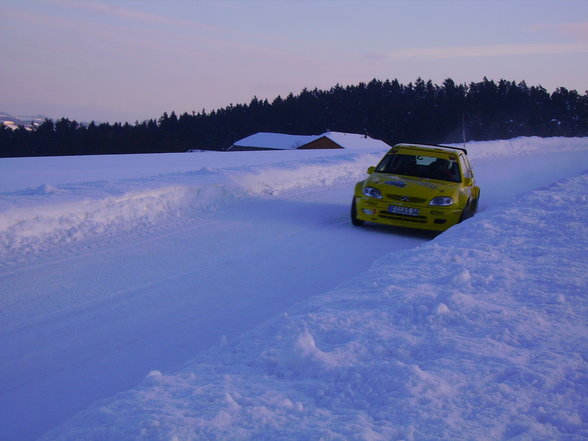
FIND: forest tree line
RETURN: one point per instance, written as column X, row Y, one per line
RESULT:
column 421, row 112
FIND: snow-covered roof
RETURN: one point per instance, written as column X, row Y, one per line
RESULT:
column 355, row 140
column 283, row 141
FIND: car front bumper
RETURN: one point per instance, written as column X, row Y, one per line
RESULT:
column 428, row 218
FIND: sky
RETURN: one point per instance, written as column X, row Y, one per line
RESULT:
column 131, row 60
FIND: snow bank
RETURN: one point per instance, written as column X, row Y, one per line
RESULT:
column 31, row 228
column 521, row 146
column 143, row 191
column 285, row 176
column 37, row 218
column 479, row 334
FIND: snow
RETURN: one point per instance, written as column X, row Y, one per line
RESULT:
column 226, row 296
column 355, row 140
column 73, row 204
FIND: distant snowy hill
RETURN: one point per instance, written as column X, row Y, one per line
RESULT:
column 28, row 121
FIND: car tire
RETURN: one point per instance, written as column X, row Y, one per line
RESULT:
column 469, row 210
column 354, row 220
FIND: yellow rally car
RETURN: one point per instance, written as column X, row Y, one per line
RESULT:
column 429, row 187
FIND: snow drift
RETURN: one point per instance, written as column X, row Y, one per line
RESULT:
column 37, row 218
column 479, row 334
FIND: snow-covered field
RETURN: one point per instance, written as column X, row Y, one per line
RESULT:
column 208, row 296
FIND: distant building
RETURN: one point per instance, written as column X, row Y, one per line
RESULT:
column 327, row 140
column 271, row 141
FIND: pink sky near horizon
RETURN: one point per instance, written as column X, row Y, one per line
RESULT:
column 135, row 59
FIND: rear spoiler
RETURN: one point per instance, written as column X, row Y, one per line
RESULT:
column 436, row 145
column 455, row 148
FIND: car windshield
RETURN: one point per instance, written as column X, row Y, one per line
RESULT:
column 421, row 166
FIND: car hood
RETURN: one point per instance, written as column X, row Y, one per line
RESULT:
column 411, row 186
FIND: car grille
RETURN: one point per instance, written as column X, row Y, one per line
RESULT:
column 416, row 219
column 399, row 197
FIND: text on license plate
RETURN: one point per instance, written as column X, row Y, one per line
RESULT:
column 407, row 211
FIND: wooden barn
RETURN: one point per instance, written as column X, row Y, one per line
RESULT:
column 327, row 140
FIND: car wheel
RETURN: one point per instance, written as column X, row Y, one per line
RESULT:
column 354, row 220
column 468, row 210
column 476, row 203
column 464, row 213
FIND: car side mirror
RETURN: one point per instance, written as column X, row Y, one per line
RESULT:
column 468, row 181
column 371, row 169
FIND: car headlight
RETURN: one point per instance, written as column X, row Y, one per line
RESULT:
column 441, row 201
column 372, row 192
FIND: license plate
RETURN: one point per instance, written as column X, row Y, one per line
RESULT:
column 406, row 211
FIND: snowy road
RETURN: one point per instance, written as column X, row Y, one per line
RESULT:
column 100, row 318
column 89, row 319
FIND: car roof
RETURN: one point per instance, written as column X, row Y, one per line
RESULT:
column 429, row 148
